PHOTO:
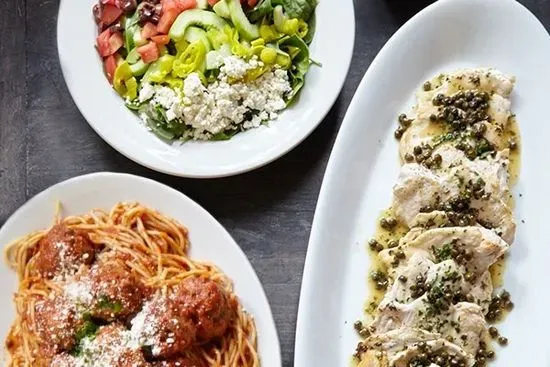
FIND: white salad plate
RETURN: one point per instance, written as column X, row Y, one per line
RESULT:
column 106, row 113
column 209, row 240
column 364, row 166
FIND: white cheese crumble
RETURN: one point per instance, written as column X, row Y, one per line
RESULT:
column 228, row 103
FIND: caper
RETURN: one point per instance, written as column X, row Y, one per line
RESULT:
column 493, row 332
column 433, row 117
column 373, row 244
column 502, row 340
column 512, row 144
column 398, row 133
column 364, row 332
column 409, row 157
column 358, row 325
column 402, row 279
column 417, row 150
column 392, row 244
column 427, row 86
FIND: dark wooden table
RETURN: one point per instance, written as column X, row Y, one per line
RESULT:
column 44, row 140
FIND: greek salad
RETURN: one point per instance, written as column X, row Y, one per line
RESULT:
column 205, row 69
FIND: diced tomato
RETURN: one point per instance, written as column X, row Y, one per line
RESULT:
column 212, row 2
column 110, row 65
column 110, row 2
column 149, row 52
column 169, row 5
column 108, row 42
column 252, row 3
column 161, row 40
column 103, row 42
column 110, row 14
column 149, row 30
column 166, row 20
column 184, row 5
column 115, row 42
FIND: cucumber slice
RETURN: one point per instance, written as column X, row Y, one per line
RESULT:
column 133, row 56
column 197, row 17
column 202, row 4
column 137, row 37
column 222, row 9
column 129, row 39
column 246, row 29
column 193, row 34
column 139, row 68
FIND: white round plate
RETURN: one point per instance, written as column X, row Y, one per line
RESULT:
column 364, row 166
column 105, row 111
column 209, row 240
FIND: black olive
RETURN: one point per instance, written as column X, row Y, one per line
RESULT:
column 128, row 6
column 97, row 13
column 115, row 28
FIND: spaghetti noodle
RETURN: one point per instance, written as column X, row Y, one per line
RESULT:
column 154, row 249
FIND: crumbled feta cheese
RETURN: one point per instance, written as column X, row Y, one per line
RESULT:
column 228, row 103
column 146, row 92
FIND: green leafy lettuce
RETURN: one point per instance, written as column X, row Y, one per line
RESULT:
column 301, row 62
column 301, row 9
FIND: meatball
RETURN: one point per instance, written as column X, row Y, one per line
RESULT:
column 111, row 348
column 57, row 323
column 208, row 304
column 118, row 294
column 63, row 249
column 164, row 327
column 190, row 361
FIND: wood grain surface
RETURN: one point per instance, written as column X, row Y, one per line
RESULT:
column 44, row 139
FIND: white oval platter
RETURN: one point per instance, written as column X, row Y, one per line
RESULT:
column 364, row 165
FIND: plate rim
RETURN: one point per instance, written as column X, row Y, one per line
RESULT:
column 156, row 165
column 77, row 180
